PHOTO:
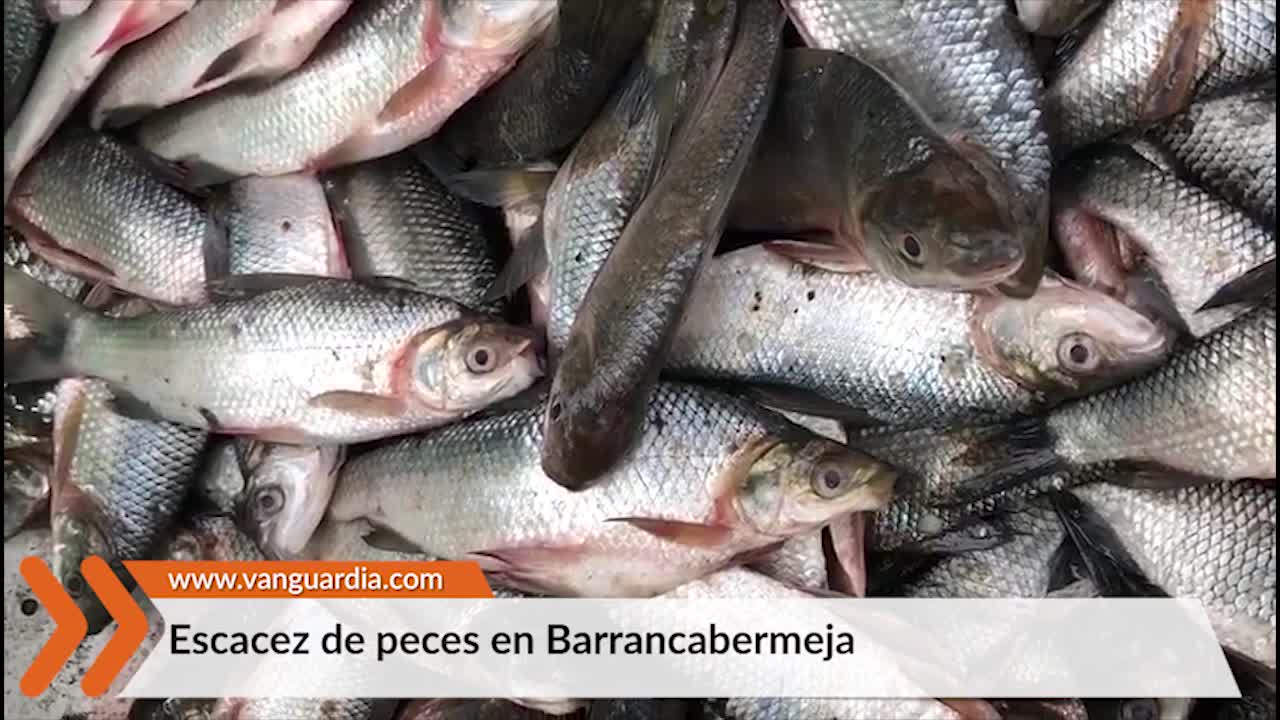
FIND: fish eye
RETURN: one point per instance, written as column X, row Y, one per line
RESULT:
column 1077, row 352
column 910, row 247
column 74, row 585
column 481, row 360
column 269, row 501
column 830, row 481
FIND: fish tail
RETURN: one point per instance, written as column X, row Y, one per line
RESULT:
column 37, row 321
column 1006, row 456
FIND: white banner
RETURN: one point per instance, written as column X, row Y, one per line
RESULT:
column 562, row 648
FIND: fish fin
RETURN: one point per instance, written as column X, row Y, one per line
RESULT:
column 390, row 541
column 66, row 434
column 359, row 403
column 216, row 243
column 1082, row 588
column 527, row 260
column 440, row 160
column 680, row 532
column 37, row 320
column 1106, row 561
column 126, row 404
column 132, row 25
column 250, row 284
column 806, row 402
column 98, row 296
column 121, row 116
column 526, row 563
column 1172, row 84
column 1252, row 286
column 834, row 258
column 227, row 62
column 1004, row 456
column 503, row 187
column 845, row 545
column 649, row 94
column 1066, row 567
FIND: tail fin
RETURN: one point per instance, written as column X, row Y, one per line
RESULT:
column 37, row 320
column 1106, row 560
column 1001, row 457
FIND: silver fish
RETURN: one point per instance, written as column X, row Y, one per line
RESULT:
column 854, row 341
column 117, row 482
column 480, row 41
column 364, row 361
column 212, row 45
column 88, row 207
column 626, row 323
column 26, row 32
column 1213, row 542
column 1199, row 246
column 712, row 478
column 1228, row 145
column 288, row 126
column 1145, row 60
column 971, row 72
column 800, row 562
column 399, row 221
column 81, row 48
column 1054, row 17
column 288, row 490
column 280, row 224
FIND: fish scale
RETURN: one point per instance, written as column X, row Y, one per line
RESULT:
column 1209, row 410
column 1215, row 542
column 25, row 31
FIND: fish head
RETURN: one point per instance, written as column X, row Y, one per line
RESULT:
column 288, row 491
column 943, row 223
column 75, row 537
column 472, row 363
column 587, row 427
column 494, row 26
column 798, row 486
column 1067, row 338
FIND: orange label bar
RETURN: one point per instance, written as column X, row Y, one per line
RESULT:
column 312, row 579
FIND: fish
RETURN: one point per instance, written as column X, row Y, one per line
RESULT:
column 60, row 10
column 553, row 93
column 480, row 42
column 1054, row 17
column 1207, row 413
column 628, row 318
column 26, row 33
column 743, row 584
column 853, row 342
column 279, row 224
column 18, row 254
column 712, row 480
column 466, row 709
column 208, row 537
column 1147, row 220
column 117, row 485
column 379, row 48
column 523, row 225
column 1228, row 146
column 602, row 182
column 399, row 220
column 1144, row 61
column 81, row 47
column 26, row 491
column 220, row 483
column 1214, row 542
column 364, row 361
column 212, row 45
column 801, row 562
column 847, row 158
column 288, row 489
column 317, row 708
column 89, row 207
column 972, row 72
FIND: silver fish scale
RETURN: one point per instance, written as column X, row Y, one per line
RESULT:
column 857, row 339
column 1102, row 87
column 256, row 362
column 87, row 194
column 138, row 471
column 400, row 221
column 1228, row 145
column 1170, row 219
column 1214, row 542
column 25, row 27
column 1019, row 568
column 1209, row 410
column 964, row 61
column 287, row 125
column 18, row 254
column 281, row 225
column 479, row 486
column 800, row 562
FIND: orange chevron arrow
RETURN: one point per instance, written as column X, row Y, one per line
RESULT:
column 70, row 627
column 131, row 626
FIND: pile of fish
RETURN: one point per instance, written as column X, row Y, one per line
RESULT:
column 692, row 298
